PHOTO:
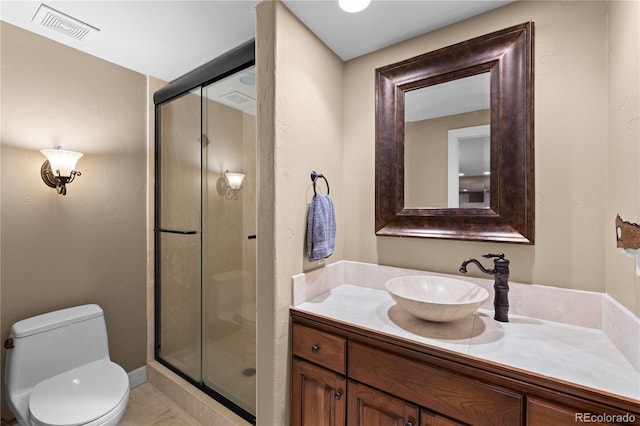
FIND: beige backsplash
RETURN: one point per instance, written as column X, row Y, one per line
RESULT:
column 575, row 307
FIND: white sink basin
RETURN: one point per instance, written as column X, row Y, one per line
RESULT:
column 437, row 299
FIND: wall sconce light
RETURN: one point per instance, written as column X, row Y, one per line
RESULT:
column 230, row 185
column 59, row 168
column 628, row 239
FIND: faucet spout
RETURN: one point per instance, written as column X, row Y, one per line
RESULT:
column 463, row 267
column 501, row 283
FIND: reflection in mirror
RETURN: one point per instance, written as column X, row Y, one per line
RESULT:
column 435, row 144
column 470, row 167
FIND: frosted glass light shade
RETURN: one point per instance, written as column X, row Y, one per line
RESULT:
column 234, row 180
column 353, row 6
column 62, row 161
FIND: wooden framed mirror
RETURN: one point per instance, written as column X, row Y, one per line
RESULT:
column 504, row 60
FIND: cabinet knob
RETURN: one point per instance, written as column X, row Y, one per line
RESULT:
column 338, row 395
column 409, row 423
column 315, row 349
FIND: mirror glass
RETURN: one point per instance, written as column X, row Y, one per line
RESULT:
column 454, row 141
column 447, row 144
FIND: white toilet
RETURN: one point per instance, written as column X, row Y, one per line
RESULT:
column 58, row 370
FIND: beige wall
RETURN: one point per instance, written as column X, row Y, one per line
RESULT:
column 270, row 374
column 570, row 147
column 300, row 125
column 87, row 247
column 623, row 145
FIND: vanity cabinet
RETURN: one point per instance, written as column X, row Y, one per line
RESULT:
column 344, row 374
column 368, row 406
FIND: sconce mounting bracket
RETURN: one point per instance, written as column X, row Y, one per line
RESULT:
column 47, row 175
column 57, row 182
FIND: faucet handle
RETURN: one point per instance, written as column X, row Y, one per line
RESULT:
column 490, row 255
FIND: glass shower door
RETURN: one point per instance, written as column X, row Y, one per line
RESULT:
column 229, row 249
column 178, row 235
column 205, row 251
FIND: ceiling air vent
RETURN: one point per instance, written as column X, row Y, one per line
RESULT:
column 65, row 24
column 237, row 98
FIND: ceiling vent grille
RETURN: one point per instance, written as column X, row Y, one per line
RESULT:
column 64, row 24
column 237, row 98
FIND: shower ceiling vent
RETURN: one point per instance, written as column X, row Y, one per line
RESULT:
column 65, row 24
column 237, row 98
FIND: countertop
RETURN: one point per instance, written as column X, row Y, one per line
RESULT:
column 580, row 355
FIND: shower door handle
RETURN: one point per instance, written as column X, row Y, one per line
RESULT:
column 176, row 231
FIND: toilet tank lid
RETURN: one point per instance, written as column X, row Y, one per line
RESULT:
column 55, row 319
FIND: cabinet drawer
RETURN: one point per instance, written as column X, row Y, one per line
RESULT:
column 427, row 418
column 541, row 412
column 319, row 347
column 452, row 395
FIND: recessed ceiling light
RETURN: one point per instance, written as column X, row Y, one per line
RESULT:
column 248, row 79
column 353, row 6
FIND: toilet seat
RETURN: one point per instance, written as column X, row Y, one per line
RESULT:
column 80, row 396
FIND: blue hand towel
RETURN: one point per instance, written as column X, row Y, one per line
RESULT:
column 321, row 228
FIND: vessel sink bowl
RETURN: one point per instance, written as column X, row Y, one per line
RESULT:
column 438, row 299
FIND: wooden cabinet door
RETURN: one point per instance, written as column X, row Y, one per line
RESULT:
column 318, row 396
column 367, row 406
column 427, row 418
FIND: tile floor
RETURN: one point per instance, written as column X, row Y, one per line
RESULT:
column 148, row 406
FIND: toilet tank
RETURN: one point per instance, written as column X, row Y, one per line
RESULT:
column 49, row 344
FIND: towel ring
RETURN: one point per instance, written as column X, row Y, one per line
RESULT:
column 314, row 177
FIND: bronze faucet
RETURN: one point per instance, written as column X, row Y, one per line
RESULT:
column 501, row 284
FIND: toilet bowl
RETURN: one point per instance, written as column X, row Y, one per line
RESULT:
column 58, row 371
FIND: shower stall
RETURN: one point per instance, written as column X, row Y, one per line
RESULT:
column 205, row 224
